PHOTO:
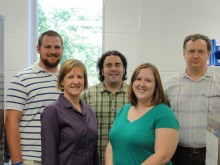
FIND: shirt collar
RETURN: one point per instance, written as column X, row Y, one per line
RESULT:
column 123, row 88
column 208, row 73
column 37, row 69
column 68, row 104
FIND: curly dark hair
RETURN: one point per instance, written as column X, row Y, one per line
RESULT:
column 102, row 59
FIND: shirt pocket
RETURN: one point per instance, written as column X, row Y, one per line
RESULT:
column 213, row 101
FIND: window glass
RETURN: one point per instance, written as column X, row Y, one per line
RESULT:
column 80, row 24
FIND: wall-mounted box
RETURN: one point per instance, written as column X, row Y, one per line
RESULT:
column 216, row 59
column 215, row 45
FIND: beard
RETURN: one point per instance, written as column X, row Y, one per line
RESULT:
column 49, row 64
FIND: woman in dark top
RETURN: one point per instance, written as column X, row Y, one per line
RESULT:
column 69, row 127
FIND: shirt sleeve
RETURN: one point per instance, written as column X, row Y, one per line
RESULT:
column 49, row 135
column 166, row 119
column 16, row 95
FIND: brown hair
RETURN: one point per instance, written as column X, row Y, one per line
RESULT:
column 194, row 37
column 49, row 33
column 158, row 95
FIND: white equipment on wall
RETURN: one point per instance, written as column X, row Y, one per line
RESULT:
column 213, row 140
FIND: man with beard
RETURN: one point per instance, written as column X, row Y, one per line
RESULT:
column 108, row 96
column 29, row 92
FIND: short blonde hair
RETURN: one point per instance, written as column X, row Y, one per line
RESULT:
column 66, row 68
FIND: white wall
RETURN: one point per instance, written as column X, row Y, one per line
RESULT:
column 18, row 35
column 154, row 30
column 143, row 30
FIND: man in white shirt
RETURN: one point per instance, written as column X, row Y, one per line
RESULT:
column 193, row 95
column 29, row 92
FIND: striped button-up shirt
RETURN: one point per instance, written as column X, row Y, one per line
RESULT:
column 192, row 101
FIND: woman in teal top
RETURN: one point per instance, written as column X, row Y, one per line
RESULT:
column 146, row 130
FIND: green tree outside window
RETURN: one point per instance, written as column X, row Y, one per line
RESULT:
column 80, row 27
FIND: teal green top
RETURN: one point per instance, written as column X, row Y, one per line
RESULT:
column 133, row 142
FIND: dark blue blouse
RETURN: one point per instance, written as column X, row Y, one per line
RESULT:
column 69, row 137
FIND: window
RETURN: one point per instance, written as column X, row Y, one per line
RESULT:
column 80, row 25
